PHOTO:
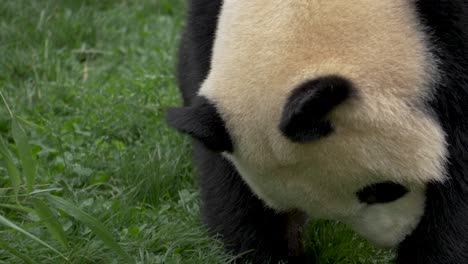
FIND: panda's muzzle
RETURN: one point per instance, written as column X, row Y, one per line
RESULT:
column 304, row 115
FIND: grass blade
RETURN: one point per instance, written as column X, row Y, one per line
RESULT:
column 5, row 245
column 51, row 222
column 13, row 172
column 93, row 224
column 24, row 152
column 38, row 191
column 17, row 207
column 29, row 123
column 11, row 225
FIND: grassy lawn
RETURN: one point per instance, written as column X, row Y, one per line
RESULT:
column 89, row 172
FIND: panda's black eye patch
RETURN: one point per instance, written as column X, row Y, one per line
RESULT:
column 383, row 192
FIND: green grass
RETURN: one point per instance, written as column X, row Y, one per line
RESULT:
column 86, row 83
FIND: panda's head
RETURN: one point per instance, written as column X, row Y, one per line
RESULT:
column 321, row 105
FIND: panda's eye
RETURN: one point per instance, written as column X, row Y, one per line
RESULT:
column 383, row 192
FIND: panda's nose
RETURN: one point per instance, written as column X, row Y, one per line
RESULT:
column 304, row 115
column 383, row 192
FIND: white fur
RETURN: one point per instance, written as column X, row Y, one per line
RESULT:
column 265, row 48
column 385, row 225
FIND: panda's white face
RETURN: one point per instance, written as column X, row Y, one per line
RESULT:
column 265, row 49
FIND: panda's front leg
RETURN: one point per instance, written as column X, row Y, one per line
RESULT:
column 248, row 228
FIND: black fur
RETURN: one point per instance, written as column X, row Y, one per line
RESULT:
column 201, row 120
column 442, row 235
column 303, row 117
column 196, row 45
column 382, row 192
column 246, row 225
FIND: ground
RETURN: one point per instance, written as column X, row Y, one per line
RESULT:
column 89, row 171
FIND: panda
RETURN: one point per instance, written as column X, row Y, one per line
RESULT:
column 345, row 110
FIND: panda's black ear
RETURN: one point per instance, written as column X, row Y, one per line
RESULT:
column 304, row 115
column 202, row 121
